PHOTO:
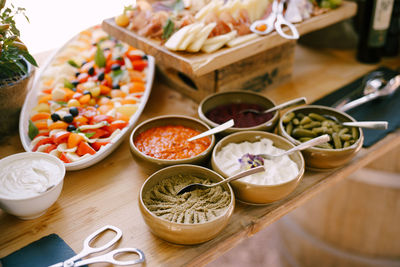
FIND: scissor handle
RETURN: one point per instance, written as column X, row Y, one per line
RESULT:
column 110, row 257
column 280, row 20
column 87, row 249
column 269, row 23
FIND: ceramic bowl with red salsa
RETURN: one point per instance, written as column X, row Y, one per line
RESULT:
column 221, row 107
column 163, row 140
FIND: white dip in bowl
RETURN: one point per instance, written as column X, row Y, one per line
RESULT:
column 278, row 171
column 30, row 183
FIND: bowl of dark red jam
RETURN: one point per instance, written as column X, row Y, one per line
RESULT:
column 221, row 107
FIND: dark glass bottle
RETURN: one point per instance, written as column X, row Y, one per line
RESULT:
column 392, row 45
column 373, row 18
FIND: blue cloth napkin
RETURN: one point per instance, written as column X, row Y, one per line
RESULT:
column 382, row 109
column 46, row 251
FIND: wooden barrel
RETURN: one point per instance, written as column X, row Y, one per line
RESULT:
column 354, row 223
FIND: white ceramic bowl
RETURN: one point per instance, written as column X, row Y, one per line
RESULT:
column 27, row 208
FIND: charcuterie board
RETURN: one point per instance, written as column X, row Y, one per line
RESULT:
column 198, row 64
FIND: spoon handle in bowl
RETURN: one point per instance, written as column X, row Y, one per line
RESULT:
column 241, row 175
column 217, row 129
column 313, row 142
column 290, row 103
column 380, row 125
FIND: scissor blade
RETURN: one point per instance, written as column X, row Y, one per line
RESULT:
column 60, row 264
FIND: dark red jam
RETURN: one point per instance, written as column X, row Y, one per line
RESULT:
column 224, row 113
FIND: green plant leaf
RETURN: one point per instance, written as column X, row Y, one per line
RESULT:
column 99, row 57
column 22, row 66
column 68, row 84
column 168, row 29
column 117, row 75
column 88, row 135
column 29, row 58
column 32, row 130
column 62, row 103
column 73, row 63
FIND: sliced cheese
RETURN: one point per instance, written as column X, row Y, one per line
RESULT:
column 176, row 39
column 43, row 148
column 94, row 126
column 201, row 37
column 190, row 36
column 64, row 148
column 224, row 38
column 55, row 153
column 36, row 140
column 241, row 39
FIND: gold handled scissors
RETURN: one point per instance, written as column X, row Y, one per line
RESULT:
column 276, row 21
column 108, row 258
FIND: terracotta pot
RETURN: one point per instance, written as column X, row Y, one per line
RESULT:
column 12, row 96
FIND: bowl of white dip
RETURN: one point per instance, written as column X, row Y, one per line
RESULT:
column 30, row 183
column 282, row 174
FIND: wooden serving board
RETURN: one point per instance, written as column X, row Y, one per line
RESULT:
column 198, row 64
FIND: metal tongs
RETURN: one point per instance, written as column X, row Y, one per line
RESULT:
column 275, row 21
column 108, row 257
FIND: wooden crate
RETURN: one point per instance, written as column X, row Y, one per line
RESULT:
column 257, row 65
column 257, row 73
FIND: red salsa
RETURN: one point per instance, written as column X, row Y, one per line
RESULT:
column 221, row 114
column 170, row 142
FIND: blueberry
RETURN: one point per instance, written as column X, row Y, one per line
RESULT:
column 91, row 71
column 115, row 67
column 74, row 111
column 116, row 86
column 71, row 128
column 100, row 77
column 68, row 118
column 75, row 83
column 55, row 117
column 86, row 92
column 144, row 57
column 77, row 73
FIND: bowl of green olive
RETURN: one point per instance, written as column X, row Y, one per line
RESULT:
column 304, row 123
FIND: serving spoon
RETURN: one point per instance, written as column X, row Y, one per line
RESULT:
column 195, row 186
column 310, row 143
column 215, row 130
column 377, row 125
column 371, row 83
column 388, row 89
column 290, row 103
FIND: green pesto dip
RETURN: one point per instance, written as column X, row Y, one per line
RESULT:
column 197, row 206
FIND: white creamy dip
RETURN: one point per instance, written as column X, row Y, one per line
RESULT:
column 279, row 170
column 28, row 177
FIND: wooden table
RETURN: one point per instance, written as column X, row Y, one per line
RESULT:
column 107, row 192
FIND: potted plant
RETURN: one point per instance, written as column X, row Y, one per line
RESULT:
column 15, row 69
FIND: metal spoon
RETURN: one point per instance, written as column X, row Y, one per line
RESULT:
column 195, row 186
column 217, row 129
column 48, row 188
column 294, row 102
column 371, row 83
column 310, row 143
column 388, row 89
column 378, row 125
